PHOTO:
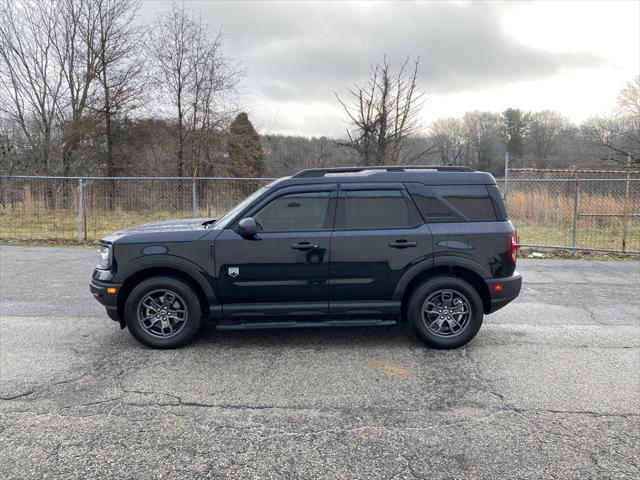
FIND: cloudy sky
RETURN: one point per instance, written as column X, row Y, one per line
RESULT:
column 568, row 56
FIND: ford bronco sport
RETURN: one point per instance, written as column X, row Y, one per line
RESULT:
column 367, row 246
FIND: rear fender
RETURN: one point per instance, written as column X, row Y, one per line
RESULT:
column 438, row 263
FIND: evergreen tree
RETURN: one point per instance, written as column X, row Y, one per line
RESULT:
column 514, row 129
column 244, row 148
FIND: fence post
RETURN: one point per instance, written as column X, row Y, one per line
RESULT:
column 82, row 218
column 576, row 201
column 506, row 175
column 194, row 200
column 625, row 220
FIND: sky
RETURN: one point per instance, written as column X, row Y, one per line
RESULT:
column 569, row 56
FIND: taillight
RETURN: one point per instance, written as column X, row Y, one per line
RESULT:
column 513, row 247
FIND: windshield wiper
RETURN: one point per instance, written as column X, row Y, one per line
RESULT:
column 209, row 222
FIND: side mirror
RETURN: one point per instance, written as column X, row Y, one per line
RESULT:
column 247, row 228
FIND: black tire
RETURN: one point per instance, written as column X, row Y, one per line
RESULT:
column 159, row 336
column 449, row 337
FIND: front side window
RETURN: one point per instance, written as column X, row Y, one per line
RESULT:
column 223, row 221
column 376, row 209
column 295, row 212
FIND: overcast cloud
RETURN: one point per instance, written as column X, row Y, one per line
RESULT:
column 472, row 54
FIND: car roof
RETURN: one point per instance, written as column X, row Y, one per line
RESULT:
column 428, row 175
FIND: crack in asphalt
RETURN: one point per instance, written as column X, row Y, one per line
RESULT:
column 179, row 402
column 29, row 396
column 525, row 412
column 489, row 414
column 117, row 406
column 17, row 395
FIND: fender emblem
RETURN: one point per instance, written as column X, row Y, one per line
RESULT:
column 234, row 271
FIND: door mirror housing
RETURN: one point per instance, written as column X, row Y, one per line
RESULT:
column 247, row 228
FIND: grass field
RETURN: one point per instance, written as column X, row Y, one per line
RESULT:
column 61, row 226
column 604, row 237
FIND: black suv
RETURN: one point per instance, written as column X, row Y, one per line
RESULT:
column 326, row 247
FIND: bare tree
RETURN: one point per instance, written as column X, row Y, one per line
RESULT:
column 612, row 138
column 448, row 137
column 56, row 55
column 195, row 75
column 384, row 114
column 544, row 133
column 629, row 100
column 10, row 146
column 618, row 136
column 321, row 154
column 31, row 82
column 215, row 81
column 120, row 63
column 172, row 38
column 76, row 57
column 485, row 140
column 628, row 114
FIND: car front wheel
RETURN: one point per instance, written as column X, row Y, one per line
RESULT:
column 163, row 312
column 445, row 312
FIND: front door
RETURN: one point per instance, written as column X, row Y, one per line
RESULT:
column 283, row 272
column 378, row 236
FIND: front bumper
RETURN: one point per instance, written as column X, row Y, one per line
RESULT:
column 504, row 290
column 101, row 291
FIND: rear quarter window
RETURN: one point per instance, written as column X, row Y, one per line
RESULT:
column 449, row 204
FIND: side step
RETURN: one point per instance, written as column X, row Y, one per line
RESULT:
column 328, row 323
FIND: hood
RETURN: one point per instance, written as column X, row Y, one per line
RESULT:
column 180, row 225
column 164, row 230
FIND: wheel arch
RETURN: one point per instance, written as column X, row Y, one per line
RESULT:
column 475, row 279
column 203, row 291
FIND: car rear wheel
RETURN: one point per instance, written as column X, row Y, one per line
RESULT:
column 445, row 312
column 163, row 312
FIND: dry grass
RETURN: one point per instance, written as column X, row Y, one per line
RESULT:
column 62, row 225
column 600, row 237
column 540, row 218
column 540, row 207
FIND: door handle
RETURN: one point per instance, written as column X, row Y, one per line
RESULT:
column 402, row 244
column 304, row 246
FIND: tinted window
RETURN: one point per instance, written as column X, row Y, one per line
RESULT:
column 464, row 203
column 376, row 209
column 294, row 212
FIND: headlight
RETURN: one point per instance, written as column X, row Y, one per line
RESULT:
column 104, row 260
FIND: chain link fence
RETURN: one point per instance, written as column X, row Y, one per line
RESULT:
column 554, row 209
column 575, row 210
column 88, row 208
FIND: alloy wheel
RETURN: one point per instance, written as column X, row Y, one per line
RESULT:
column 162, row 313
column 446, row 313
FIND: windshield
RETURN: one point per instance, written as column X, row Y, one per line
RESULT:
column 227, row 217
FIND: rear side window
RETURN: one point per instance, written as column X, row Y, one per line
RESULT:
column 460, row 203
column 362, row 209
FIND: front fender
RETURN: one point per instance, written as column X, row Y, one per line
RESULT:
column 187, row 267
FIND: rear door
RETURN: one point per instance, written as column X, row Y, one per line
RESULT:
column 378, row 235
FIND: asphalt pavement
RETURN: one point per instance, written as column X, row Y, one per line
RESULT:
column 550, row 388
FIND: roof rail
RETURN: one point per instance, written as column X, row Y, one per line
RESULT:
column 321, row 172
